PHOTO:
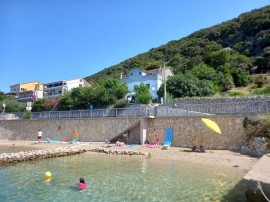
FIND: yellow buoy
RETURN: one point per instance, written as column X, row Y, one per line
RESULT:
column 48, row 176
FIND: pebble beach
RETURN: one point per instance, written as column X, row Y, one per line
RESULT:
column 211, row 157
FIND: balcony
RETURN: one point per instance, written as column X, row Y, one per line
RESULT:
column 49, row 96
column 53, row 88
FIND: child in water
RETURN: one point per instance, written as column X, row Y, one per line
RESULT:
column 82, row 184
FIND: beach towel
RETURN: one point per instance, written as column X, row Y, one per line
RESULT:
column 131, row 145
column 168, row 137
column 74, row 139
column 151, row 145
column 49, row 140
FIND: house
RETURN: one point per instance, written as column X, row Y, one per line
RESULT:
column 151, row 78
column 28, row 91
column 58, row 88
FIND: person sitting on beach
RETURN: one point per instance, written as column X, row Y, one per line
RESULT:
column 146, row 142
column 201, row 149
column 119, row 143
column 194, row 148
column 82, row 184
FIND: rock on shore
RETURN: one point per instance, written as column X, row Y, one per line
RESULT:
column 6, row 158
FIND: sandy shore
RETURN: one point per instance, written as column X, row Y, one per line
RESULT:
column 210, row 157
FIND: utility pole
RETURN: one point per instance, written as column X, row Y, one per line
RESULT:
column 164, row 79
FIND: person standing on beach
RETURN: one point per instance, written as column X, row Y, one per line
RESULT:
column 126, row 135
column 39, row 136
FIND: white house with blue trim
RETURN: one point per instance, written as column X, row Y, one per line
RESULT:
column 151, row 78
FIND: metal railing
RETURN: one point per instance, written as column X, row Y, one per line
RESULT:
column 95, row 113
column 237, row 108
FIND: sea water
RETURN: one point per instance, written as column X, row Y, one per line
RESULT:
column 119, row 178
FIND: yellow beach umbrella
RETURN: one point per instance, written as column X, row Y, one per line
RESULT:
column 212, row 125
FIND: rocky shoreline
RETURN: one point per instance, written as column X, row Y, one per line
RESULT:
column 6, row 158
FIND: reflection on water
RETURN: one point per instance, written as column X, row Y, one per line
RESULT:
column 119, row 178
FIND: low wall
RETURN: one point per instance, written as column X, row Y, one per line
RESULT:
column 187, row 131
column 190, row 131
column 94, row 130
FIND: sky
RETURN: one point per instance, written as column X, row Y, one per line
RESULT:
column 53, row 40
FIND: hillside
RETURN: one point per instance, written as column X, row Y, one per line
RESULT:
column 248, row 34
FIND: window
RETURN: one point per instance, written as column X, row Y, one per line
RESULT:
column 140, row 73
column 131, row 74
column 148, row 85
column 80, row 85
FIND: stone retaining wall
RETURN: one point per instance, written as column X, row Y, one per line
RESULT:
column 94, row 130
column 190, row 131
column 187, row 131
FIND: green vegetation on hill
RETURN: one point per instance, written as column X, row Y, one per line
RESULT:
column 248, row 36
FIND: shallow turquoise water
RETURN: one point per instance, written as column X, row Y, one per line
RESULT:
column 119, row 178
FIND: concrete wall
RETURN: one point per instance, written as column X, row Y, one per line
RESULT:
column 96, row 130
column 190, row 131
column 187, row 131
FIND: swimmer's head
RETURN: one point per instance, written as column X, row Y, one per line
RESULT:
column 81, row 180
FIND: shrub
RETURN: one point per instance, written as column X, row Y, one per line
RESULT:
column 28, row 114
column 121, row 103
column 260, row 80
column 262, row 91
column 236, row 94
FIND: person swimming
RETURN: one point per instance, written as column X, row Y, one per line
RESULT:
column 82, row 184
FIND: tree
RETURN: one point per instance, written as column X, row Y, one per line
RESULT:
column 135, row 62
column 188, row 86
column 39, row 106
column 142, row 94
column 2, row 96
column 223, row 81
column 52, row 104
column 66, row 102
column 263, row 62
column 219, row 58
column 115, row 87
column 240, row 78
column 203, row 71
column 12, row 105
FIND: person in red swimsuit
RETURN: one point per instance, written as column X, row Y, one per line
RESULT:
column 82, row 184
